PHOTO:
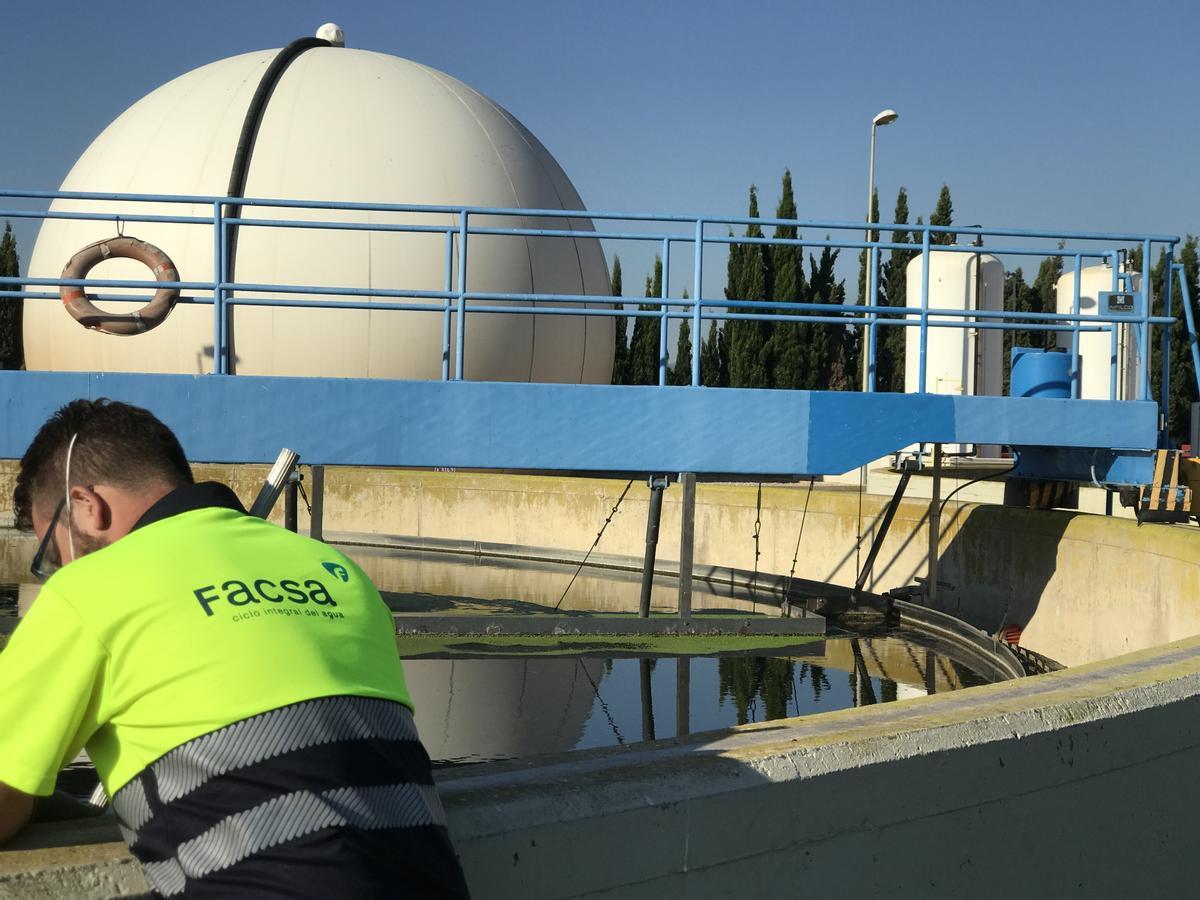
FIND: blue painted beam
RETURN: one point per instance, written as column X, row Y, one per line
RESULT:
column 1112, row 468
column 371, row 422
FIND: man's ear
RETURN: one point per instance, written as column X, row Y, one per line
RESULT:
column 90, row 512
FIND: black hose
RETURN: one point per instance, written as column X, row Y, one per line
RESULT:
column 250, row 125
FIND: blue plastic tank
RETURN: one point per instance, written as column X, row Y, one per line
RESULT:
column 1040, row 373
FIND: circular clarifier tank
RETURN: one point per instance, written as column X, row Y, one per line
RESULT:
column 340, row 124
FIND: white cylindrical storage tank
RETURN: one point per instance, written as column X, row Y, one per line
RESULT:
column 340, row 125
column 957, row 360
column 963, row 361
column 1096, row 347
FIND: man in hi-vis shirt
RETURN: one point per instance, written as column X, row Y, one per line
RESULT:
column 237, row 686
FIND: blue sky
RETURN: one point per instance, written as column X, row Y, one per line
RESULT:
column 1072, row 115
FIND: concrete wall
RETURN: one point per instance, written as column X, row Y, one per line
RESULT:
column 1082, row 587
column 1079, row 783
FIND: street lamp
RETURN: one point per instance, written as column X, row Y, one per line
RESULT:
column 884, row 117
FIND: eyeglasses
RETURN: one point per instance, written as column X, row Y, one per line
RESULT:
column 47, row 560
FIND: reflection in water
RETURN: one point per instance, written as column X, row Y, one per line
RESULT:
column 474, row 710
column 747, row 679
column 481, row 709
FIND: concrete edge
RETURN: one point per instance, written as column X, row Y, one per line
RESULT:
column 497, row 801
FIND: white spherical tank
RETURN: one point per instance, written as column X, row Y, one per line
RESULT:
column 340, row 125
column 957, row 360
column 1096, row 347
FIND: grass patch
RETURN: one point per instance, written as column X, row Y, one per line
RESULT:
column 501, row 646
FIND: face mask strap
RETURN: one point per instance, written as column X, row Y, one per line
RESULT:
column 67, row 491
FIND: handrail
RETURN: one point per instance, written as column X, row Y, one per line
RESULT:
column 456, row 301
column 1185, row 300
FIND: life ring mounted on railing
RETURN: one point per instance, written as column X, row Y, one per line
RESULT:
column 87, row 314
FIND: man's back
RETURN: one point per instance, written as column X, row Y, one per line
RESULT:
column 238, row 688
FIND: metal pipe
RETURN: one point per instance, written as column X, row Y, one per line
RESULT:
column 921, row 365
column 446, row 317
column 884, row 526
column 664, row 292
column 220, row 308
column 316, row 519
column 1144, row 328
column 1164, row 387
column 459, row 349
column 1185, row 298
column 687, row 542
column 218, row 277
column 190, row 199
column 290, row 491
column 1114, row 350
column 653, row 515
column 871, row 353
column 697, row 276
column 1076, row 374
column 935, row 524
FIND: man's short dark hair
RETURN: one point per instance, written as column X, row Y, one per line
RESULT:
column 115, row 443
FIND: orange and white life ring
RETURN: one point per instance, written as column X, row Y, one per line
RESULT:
column 84, row 311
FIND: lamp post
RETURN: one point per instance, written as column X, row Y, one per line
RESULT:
column 884, row 117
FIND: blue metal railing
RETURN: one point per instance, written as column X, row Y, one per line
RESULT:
column 456, row 301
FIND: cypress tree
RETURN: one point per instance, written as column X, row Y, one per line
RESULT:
column 620, row 373
column 749, row 362
column 1182, row 391
column 791, row 340
column 1183, row 376
column 714, row 358
column 943, row 214
column 643, row 349
column 1043, row 297
column 680, row 372
column 834, row 351
column 889, row 362
column 11, row 347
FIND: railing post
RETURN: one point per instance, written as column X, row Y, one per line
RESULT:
column 1165, row 385
column 1114, row 330
column 1076, row 374
column 921, row 367
column 1144, row 327
column 1185, row 298
column 663, row 310
column 872, row 347
column 218, row 291
column 449, row 287
column 462, row 296
column 697, row 277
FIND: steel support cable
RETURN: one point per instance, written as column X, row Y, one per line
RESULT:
column 595, row 544
column 603, row 706
column 796, row 553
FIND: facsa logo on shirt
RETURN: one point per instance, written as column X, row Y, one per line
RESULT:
column 260, row 590
column 337, row 570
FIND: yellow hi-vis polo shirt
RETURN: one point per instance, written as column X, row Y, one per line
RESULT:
column 182, row 627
